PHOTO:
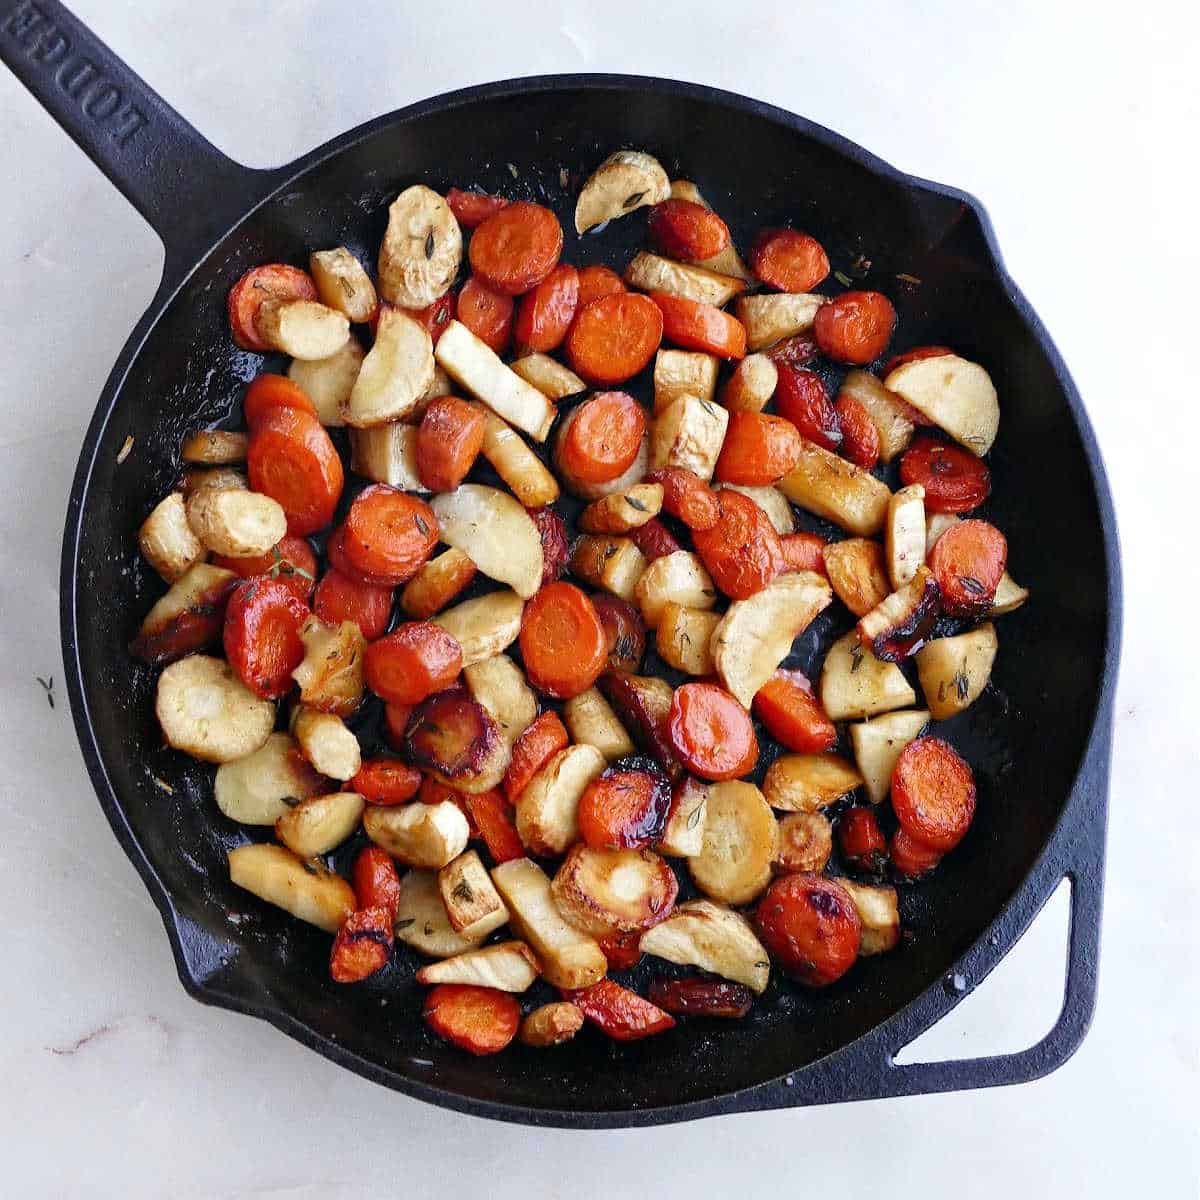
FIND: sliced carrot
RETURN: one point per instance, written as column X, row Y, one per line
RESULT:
column 622, row 950
column 742, row 551
column 860, row 436
column 480, row 1020
column 759, row 449
column 540, row 742
column 910, row 858
column 811, row 927
column 698, row 326
column 449, row 439
column 556, row 551
column 433, row 318
column 595, row 282
column 614, row 337
column 545, row 313
column 375, row 880
column 804, row 552
column 516, row 247
column 919, row 352
column 686, row 230
column 385, row 781
column 341, row 598
column 955, row 481
column 275, row 281
column 493, row 818
column 487, row 313
column 655, row 540
column 623, row 1015
column 269, row 392
column 335, row 550
column 862, row 842
column 395, row 723
column 788, row 260
column 687, row 496
column 389, row 535
column 855, row 327
column 292, row 562
column 362, row 946
column 968, row 561
column 562, row 641
column 800, row 397
column 417, row 659
column 626, row 808
column 471, row 209
column 792, row 714
column 602, row 437
column 291, row 459
column 624, row 632
column 933, row 793
column 262, row 635
column 711, row 732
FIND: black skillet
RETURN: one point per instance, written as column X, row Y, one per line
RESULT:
column 1039, row 740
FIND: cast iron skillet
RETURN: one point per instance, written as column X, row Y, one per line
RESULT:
column 1039, row 740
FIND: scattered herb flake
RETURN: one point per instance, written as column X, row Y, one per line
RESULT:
column 429, row 243
column 310, row 867
column 421, row 524
column 564, row 178
column 843, row 278
column 972, row 585
column 860, row 267
column 856, row 655
column 404, row 923
column 634, row 198
column 162, row 785
column 912, row 280
column 512, row 170
column 441, row 316
column 462, row 891
column 634, row 502
column 125, row 450
column 694, row 815
column 348, row 287
column 962, row 685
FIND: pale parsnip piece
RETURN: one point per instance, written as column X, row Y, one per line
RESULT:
column 395, row 375
column 878, row 914
column 166, row 540
column 740, row 843
column 752, row 384
column 653, row 273
column 201, row 588
column 306, row 890
column 684, row 834
column 756, row 634
column 678, row 578
column 258, row 789
column 497, row 533
column 877, row 744
column 856, row 569
column 215, row 447
column 886, row 412
column 590, row 720
column 422, row 921
column 387, row 454
column 955, row 670
column 904, row 534
column 612, row 563
column 236, row 522
column 547, row 809
column 343, row 284
column 549, row 376
column 326, row 742
column 623, row 511
column 624, row 181
column 484, row 626
column 506, row 966
column 474, row 364
column 516, row 464
column 421, row 250
column 903, row 609
column 328, row 382
column 688, row 433
column 301, row 328
column 569, row 958
column 320, row 823
column 330, row 676
column 953, row 393
column 727, row 261
column 605, row 892
column 638, row 471
column 1009, row 594
column 217, row 479
column 855, row 684
column 805, row 842
column 206, row 711
column 436, row 584
column 773, row 316
column 771, row 500
column 806, row 783
column 551, row 1024
column 683, row 638
column 472, row 902
column 440, row 385
column 713, row 938
column 419, row 835
column 499, row 685
column 833, row 488
column 935, row 525
column 683, row 373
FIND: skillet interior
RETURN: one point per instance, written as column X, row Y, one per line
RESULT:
column 1026, row 738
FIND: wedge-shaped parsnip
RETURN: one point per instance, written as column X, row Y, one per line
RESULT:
column 725, row 262
column 547, row 810
column 1009, row 594
column 837, row 490
column 684, row 834
column 756, row 635
column 258, row 789
column 904, row 534
column 683, row 638
column 900, row 623
column 683, row 373
column 590, row 720
column 612, row 563
column 206, row 711
column 805, row 842
column 569, row 958
column 955, row 394
column 215, row 447
column 318, row 824
column 624, row 181
column 326, row 742
column 419, row 835
column 623, row 511
column 387, row 454
column 301, row 328
column 857, row 573
column 678, row 578
column 472, row 902
column 516, row 464
column 421, row 250
column 551, row 1024
column 740, row 842
column 605, row 892
column 395, row 373
column 166, row 540
column 499, row 685
column 440, row 385
column 485, row 626
column 331, row 674
column 328, row 382
column 343, row 284
column 855, row 684
column 236, row 522
column 689, row 433
column 549, row 376
column 497, row 533
column 652, row 273
column 187, row 618
column 713, row 938
column 879, row 915
column 436, row 584
column 771, row 500
column 752, row 384
column 636, row 473
column 955, row 670
column 886, row 412
column 808, row 782
column 304, row 889
column 506, row 966
column 201, row 479
column 422, row 921
column 475, row 365
column 771, row 317
column 877, row 745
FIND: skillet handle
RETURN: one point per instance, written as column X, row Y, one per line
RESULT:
column 183, row 185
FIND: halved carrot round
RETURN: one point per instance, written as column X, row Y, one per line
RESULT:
column 341, row 598
column 487, row 313
column 375, row 880
column 291, row 459
column 918, row 352
column 811, row 928
column 800, row 397
column 291, row 562
column 545, row 313
column 449, row 439
column 335, row 551
column 471, row 209
column 386, row 781
column 540, row 742
column 804, row 552
column 516, row 247
column 793, row 715
column 910, row 858
column 269, row 392
column 968, row 561
column 742, row 551
column 412, row 662
column 788, row 260
column 624, row 632
column 627, row 807
column 855, row 327
column 759, row 449
column 954, row 479
column 262, row 635
column 684, row 229
column 862, row 842
column 711, row 732
column 389, row 534
column 614, row 337
column 274, row 281
column 480, row 1020
column 597, row 281
column 362, row 946
column 698, row 326
column 933, row 793
column 602, row 437
column 860, row 437
column 687, row 496
column 562, row 641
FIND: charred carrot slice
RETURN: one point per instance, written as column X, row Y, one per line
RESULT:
column 793, row 715
column 655, row 540
column 955, row 481
column 291, row 459
column 362, row 946
column 623, row 1015
column 595, row 282
column 788, row 260
column 275, row 281
column 556, row 552
column 487, row 313
column 855, row 327
column 262, row 635
column 968, row 561
column 545, row 313
column 269, row 392
column 471, row 209
column 701, row 997
column 711, row 732
column 614, row 337
column 627, row 807
column 388, row 535
column 698, row 326
column 803, row 552
column 562, row 641
column 479, row 1020
column 687, row 497
column 912, row 859
column 742, row 551
column 292, row 562
column 386, row 781
column 411, row 663
column 624, row 632
column 933, row 793
column 449, row 439
column 860, row 437
column 862, row 842
column 340, row 598
column 686, row 230
column 540, row 742
column 800, row 397
column 335, row 550
column 759, row 449
column 603, row 437
column 493, row 818
column 811, row 928
column 516, row 247
column 375, row 880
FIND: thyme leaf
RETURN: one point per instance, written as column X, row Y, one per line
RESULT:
column 421, row 524
column 634, row 502
column 972, row 585
column 694, row 815
column 962, row 685
column 126, row 448
column 633, row 198
column 429, row 244
column 404, row 923
column 843, row 278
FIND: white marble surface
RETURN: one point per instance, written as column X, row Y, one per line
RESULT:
column 1079, row 133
